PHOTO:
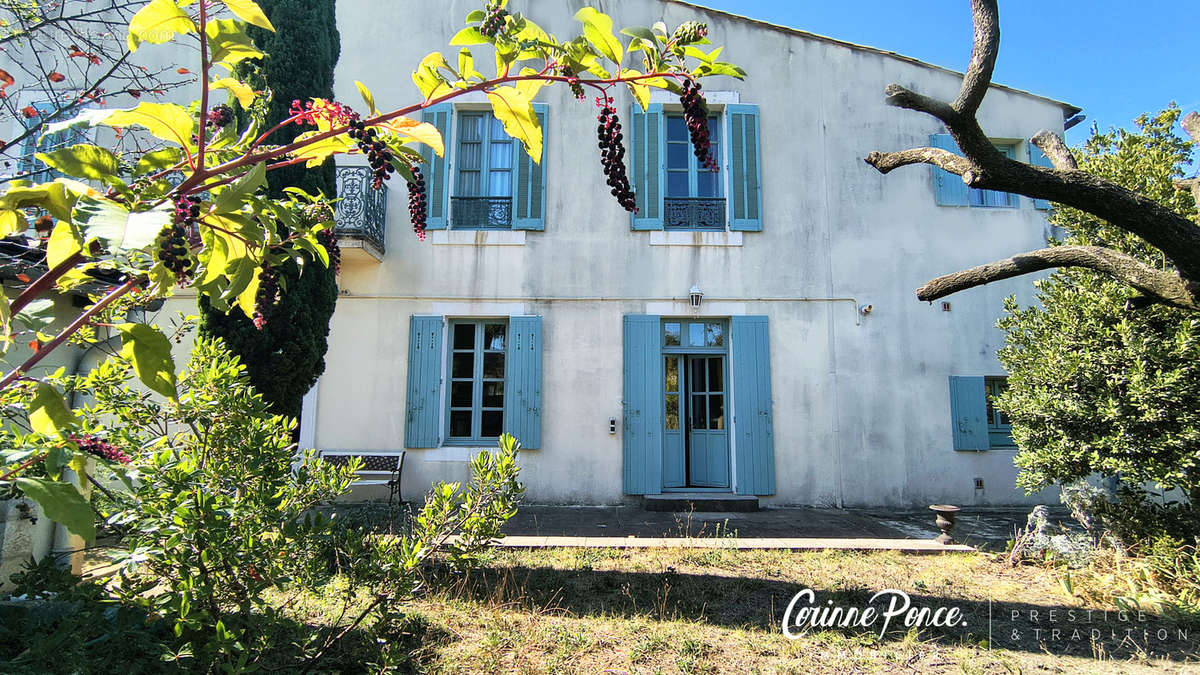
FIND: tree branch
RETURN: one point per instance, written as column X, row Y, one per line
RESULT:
column 1166, row 287
column 1055, row 149
column 983, row 58
column 887, row 161
column 902, row 97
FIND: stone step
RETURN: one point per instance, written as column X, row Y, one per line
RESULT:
column 703, row 502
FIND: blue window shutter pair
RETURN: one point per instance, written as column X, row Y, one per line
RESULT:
column 642, row 414
column 647, row 161
column 529, row 194
column 530, row 190
column 744, row 168
column 753, row 418
column 968, row 413
column 1039, row 158
column 523, row 381
column 948, row 189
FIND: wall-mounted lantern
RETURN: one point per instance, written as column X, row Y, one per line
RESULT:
column 696, row 295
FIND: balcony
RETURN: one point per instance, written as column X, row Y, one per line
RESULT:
column 481, row 213
column 361, row 214
column 694, row 213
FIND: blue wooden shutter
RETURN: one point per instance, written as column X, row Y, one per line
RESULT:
column 968, row 413
column 646, row 157
column 1039, row 158
column 530, row 192
column 436, row 169
column 948, row 189
column 422, row 409
column 523, row 380
column 643, row 406
column 744, row 168
column 753, row 419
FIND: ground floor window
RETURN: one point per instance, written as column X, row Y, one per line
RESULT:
column 999, row 426
column 476, row 391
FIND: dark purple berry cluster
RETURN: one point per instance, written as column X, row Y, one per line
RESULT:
column 417, row 205
column 695, row 113
column 268, row 295
column 689, row 32
column 612, row 153
column 103, row 449
column 573, row 82
column 173, row 249
column 219, row 116
column 328, row 239
column 493, row 20
column 379, row 155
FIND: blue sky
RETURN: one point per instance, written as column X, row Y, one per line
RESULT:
column 1113, row 58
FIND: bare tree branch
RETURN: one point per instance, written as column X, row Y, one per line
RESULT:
column 1165, row 287
column 1055, row 149
column 902, row 97
column 886, row 161
column 983, row 57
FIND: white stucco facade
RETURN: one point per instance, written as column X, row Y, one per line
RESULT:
column 861, row 402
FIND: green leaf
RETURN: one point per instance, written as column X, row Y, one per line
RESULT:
column 597, row 28
column 228, row 43
column 62, row 504
column 167, row 121
column 251, row 13
column 157, row 23
column 64, row 243
column 639, row 32
column 640, row 91
column 512, row 107
column 82, row 161
column 88, row 118
column 367, row 96
column 150, row 352
column 428, row 78
column 48, row 412
column 230, row 199
column 319, row 151
column 466, row 64
column 37, row 315
column 157, row 160
column 238, row 89
column 58, row 197
column 467, row 37
column 12, row 222
column 117, row 228
column 476, row 15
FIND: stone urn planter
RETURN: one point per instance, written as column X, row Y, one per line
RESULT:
column 25, row 534
column 946, row 515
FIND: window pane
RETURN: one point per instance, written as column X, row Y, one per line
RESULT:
column 493, row 365
column 672, row 412
column 497, row 129
column 697, row 375
column 677, row 155
column 672, row 374
column 707, row 184
column 500, row 155
column 699, row 413
column 714, row 335
column 471, row 127
column 493, row 394
column 716, row 412
column 676, row 129
column 695, row 334
column 715, row 376
column 493, row 423
column 671, row 331
column 460, row 423
column 468, row 184
column 464, row 336
column 469, row 156
column 493, row 336
column 460, row 394
column 463, row 365
column 500, row 183
column 677, row 184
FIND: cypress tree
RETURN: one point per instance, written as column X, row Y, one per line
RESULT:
column 285, row 358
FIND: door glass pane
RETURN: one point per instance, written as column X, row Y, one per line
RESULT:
column 460, row 423
column 699, row 413
column 715, row 379
column 677, row 155
column 676, row 129
column 493, row 394
column 697, row 375
column 500, row 183
column 493, row 337
column 677, row 184
column 493, row 365
column 493, row 423
column 460, row 394
column 716, row 411
column 500, row 155
column 695, row 334
column 468, row 184
column 672, row 412
column 464, row 336
column 714, row 335
column 463, row 365
column 671, row 383
column 671, row 331
column 469, row 156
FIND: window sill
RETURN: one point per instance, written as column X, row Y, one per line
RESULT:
column 455, row 453
column 695, row 238
column 477, row 237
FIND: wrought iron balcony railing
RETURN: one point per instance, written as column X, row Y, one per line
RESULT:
column 481, row 212
column 361, row 210
column 694, row 213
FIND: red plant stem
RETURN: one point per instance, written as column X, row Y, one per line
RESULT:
column 202, row 133
column 24, row 465
column 44, row 282
column 70, row 330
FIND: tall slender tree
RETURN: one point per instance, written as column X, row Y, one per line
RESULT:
column 287, row 355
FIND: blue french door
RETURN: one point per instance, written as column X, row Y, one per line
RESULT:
column 696, row 438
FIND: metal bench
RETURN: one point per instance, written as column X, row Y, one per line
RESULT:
column 376, row 469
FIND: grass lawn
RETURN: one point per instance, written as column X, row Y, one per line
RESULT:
column 719, row 611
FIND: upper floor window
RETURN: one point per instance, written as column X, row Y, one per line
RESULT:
column 29, row 167
column 994, row 198
column 693, row 198
column 949, row 189
column 486, row 179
